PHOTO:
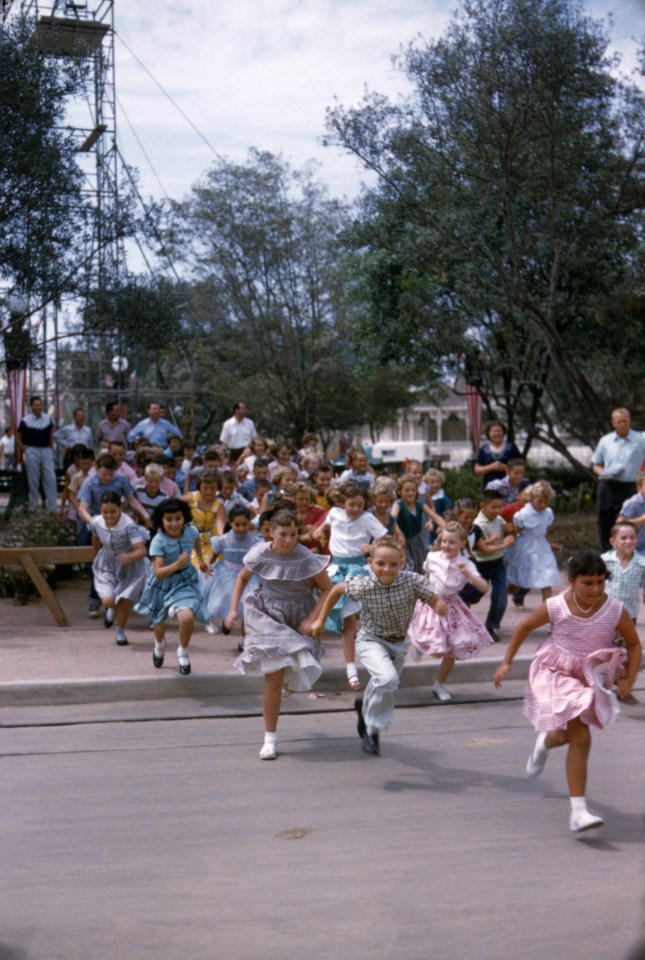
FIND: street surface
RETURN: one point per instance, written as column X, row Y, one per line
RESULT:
column 169, row 839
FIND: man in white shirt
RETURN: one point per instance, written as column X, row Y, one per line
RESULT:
column 73, row 433
column 237, row 432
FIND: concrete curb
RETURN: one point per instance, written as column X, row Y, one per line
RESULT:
column 211, row 685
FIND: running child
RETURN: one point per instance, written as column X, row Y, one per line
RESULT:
column 278, row 617
column 492, row 537
column 410, row 513
column 626, row 567
column 119, row 566
column 437, row 499
column 383, row 497
column 458, row 635
column 173, row 586
column 532, row 563
column 232, row 547
column 387, row 596
column 358, row 470
column 352, row 528
column 572, row 674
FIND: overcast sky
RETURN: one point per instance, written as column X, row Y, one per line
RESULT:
column 260, row 73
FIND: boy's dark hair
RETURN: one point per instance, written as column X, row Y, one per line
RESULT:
column 489, row 495
column 261, row 462
column 228, row 477
column 162, row 459
column 106, row 460
column 87, row 453
column 463, row 503
column 111, row 496
column 586, row 563
column 515, row 462
column 171, row 505
column 239, row 510
column 324, row 467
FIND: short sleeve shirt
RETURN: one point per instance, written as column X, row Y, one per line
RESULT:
column 386, row 610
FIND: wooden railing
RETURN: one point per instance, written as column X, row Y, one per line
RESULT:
column 32, row 558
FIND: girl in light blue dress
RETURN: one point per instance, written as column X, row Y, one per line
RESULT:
column 173, row 587
column 232, row 547
column 531, row 562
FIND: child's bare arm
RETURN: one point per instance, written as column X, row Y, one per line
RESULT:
column 241, row 581
column 539, row 618
column 328, row 603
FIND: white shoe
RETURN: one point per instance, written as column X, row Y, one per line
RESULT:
column 212, row 627
column 582, row 820
column 440, row 691
column 535, row 763
column 268, row 752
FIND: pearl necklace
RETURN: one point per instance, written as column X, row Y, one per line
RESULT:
column 583, row 609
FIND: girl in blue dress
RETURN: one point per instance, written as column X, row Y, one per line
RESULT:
column 173, row 587
column 232, row 547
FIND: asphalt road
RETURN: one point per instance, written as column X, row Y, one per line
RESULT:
column 170, row 839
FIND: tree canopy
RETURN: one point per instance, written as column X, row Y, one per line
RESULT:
column 506, row 224
column 269, row 315
column 42, row 209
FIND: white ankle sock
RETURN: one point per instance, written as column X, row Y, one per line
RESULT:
column 352, row 670
column 182, row 654
column 578, row 804
column 270, row 737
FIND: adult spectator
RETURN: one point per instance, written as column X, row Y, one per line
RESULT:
column 36, row 440
column 73, row 434
column 494, row 453
column 8, row 449
column 154, row 428
column 114, row 427
column 616, row 461
column 237, row 432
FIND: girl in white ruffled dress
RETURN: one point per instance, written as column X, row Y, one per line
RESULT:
column 459, row 635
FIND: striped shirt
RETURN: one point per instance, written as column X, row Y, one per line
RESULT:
column 386, row 609
column 625, row 581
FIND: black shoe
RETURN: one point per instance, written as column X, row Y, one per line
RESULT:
column 158, row 660
column 518, row 603
column 360, row 722
column 371, row 744
column 184, row 669
column 493, row 634
column 109, row 617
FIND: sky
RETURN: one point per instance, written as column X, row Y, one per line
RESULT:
column 261, row 73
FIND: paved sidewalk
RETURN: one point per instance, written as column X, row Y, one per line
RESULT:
column 43, row 663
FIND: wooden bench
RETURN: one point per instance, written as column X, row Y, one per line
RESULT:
column 32, row 558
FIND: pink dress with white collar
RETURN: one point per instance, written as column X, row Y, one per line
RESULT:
column 459, row 634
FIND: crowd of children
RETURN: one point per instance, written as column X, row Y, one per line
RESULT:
column 291, row 547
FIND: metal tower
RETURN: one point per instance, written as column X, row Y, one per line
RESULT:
column 85, row 29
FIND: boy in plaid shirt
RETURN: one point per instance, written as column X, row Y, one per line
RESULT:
column 387, row 596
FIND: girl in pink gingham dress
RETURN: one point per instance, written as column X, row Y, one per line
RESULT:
column 572, row 674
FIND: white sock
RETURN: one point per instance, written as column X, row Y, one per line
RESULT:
column 578, row 804
column 352, row 671
column 271, row 738
column 182, row 654
column 160, row 646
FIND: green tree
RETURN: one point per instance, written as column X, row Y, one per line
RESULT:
column 269, row 306
column 508, row 204
column 42, row 211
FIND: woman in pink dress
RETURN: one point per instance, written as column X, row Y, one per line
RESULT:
column 573, row 672
column 459, row 635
